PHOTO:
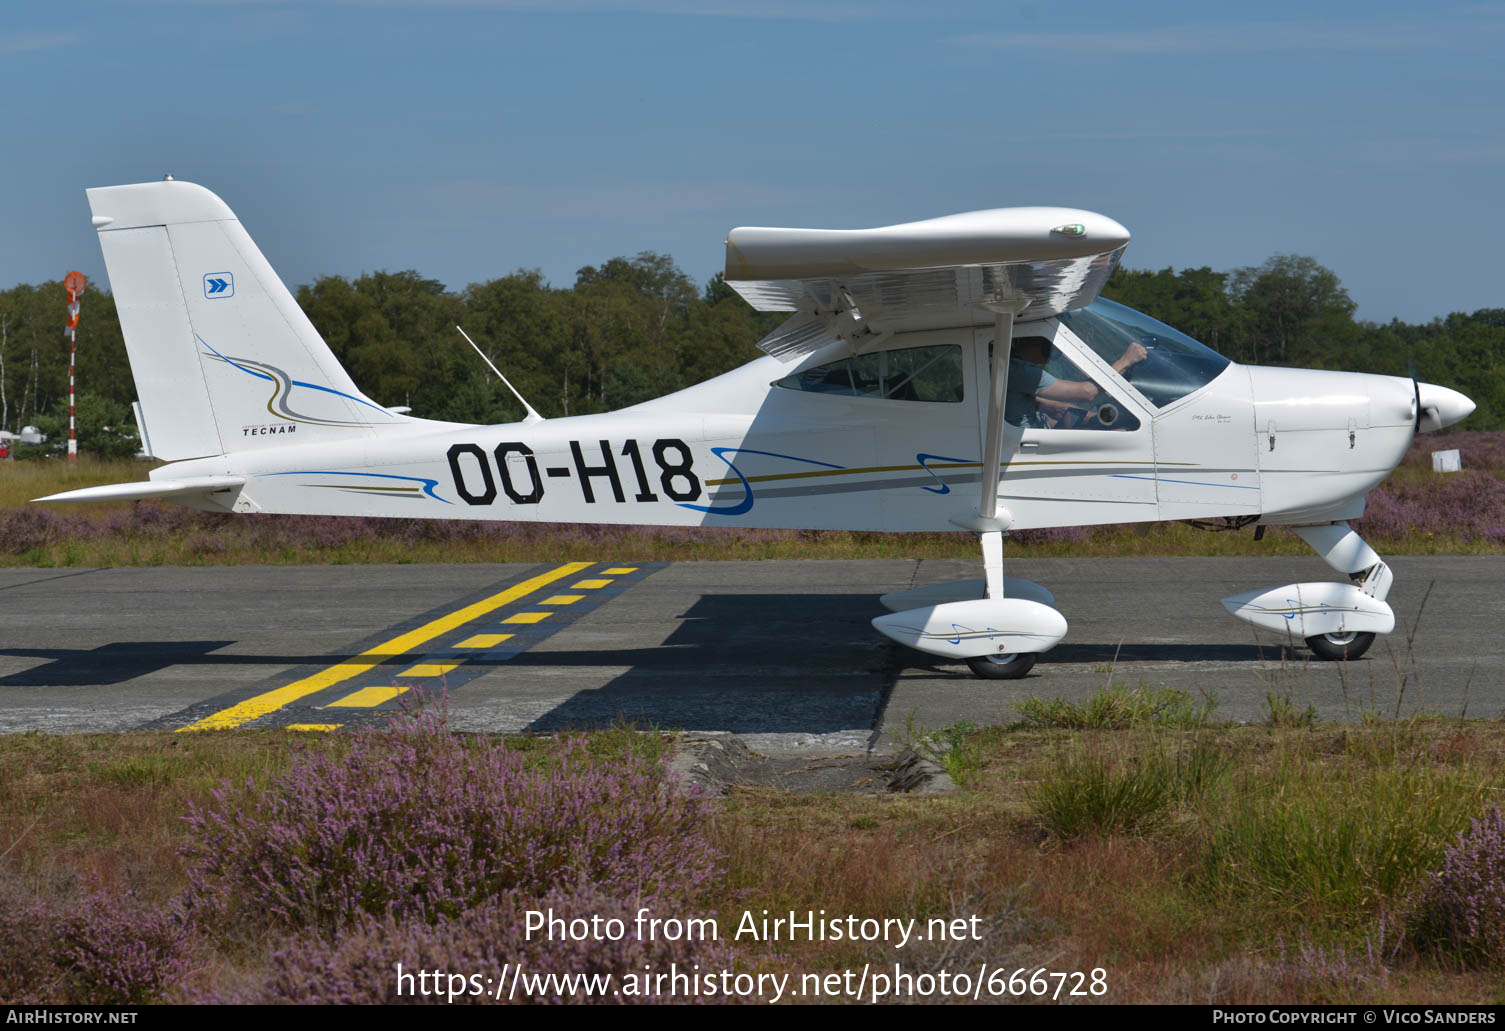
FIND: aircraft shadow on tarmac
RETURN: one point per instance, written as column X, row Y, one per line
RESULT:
column 108, row 664
column 747, row 663
column 1118, row 656
column 779, row 663
column 1166, row 652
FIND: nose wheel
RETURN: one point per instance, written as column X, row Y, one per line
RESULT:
column 1337, row 647
column 1008, row 666
column 1338, row 621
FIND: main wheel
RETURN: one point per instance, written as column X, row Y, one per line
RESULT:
column 1335, row 647
column 1010, row 666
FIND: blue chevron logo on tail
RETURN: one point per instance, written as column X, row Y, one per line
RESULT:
column 219, row 285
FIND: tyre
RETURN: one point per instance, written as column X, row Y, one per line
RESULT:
column 1337, row 647
column 1003, row 667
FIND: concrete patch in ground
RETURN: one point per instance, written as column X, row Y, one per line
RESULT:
column 719, row 762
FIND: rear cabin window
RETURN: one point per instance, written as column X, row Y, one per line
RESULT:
column 932, row 374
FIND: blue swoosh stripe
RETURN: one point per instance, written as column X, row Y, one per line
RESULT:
column 428, row 485
column 746, row 504
column 943, row 488
column 294, row 382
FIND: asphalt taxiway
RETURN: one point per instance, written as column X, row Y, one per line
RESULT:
column 780, row 652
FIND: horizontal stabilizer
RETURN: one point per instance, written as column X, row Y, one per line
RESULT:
column 149, row 489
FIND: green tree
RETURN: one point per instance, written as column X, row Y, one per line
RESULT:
column 350, row 320
column 523, row 326
column 627, row 323
column 34, row 351
column 104, row 427
column 1294, row 311
column 1195, row 301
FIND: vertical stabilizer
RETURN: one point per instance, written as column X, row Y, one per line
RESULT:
column 224, row 359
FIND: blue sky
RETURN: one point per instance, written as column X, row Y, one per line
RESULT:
column 467, row 138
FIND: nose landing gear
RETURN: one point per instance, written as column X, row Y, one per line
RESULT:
column 1338, row 622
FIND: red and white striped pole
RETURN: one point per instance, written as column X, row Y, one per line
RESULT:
column 74, row 283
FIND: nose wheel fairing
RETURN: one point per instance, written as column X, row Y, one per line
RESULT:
column 1313, row 610
column 1337, row 621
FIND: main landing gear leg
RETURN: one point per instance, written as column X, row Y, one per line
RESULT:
column 1004, row 665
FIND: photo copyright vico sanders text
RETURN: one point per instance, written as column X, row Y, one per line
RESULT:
column 1358, row 1015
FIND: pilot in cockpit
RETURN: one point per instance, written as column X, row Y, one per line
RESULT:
column 1030, row 384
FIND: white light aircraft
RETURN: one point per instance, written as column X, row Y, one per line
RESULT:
column 954, row 373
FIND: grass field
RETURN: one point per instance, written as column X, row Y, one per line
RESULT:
column 1416, row 511
column 1191, row 861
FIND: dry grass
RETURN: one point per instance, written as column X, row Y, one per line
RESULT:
column 105, row 809
column 1150, row 907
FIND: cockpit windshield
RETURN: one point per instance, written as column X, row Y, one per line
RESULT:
column 1174, row 365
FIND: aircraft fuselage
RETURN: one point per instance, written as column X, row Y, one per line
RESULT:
column 1288, row 445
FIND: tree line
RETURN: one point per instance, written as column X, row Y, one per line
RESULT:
column 636, row 328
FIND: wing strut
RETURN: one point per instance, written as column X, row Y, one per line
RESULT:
column 989, row 520
column 992, row 452
column 998, row 386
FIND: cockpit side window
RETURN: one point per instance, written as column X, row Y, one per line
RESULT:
column 1049, row 391
column 1174, row 364
column 931, row 374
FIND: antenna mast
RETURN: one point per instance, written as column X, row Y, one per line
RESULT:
column 532, row 416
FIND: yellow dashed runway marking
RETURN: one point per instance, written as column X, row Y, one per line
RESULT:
column 403, row 644
column 484, row 641
column 590, row 585
column 367, row 697
column 430, row 669
column 527, row 617
column 562, row 599
column 620, row 570
column 322, row 728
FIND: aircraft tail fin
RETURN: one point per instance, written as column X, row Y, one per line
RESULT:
column 223, row 357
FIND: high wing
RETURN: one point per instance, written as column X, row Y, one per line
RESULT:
column 980, row 267
column 961, row 270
